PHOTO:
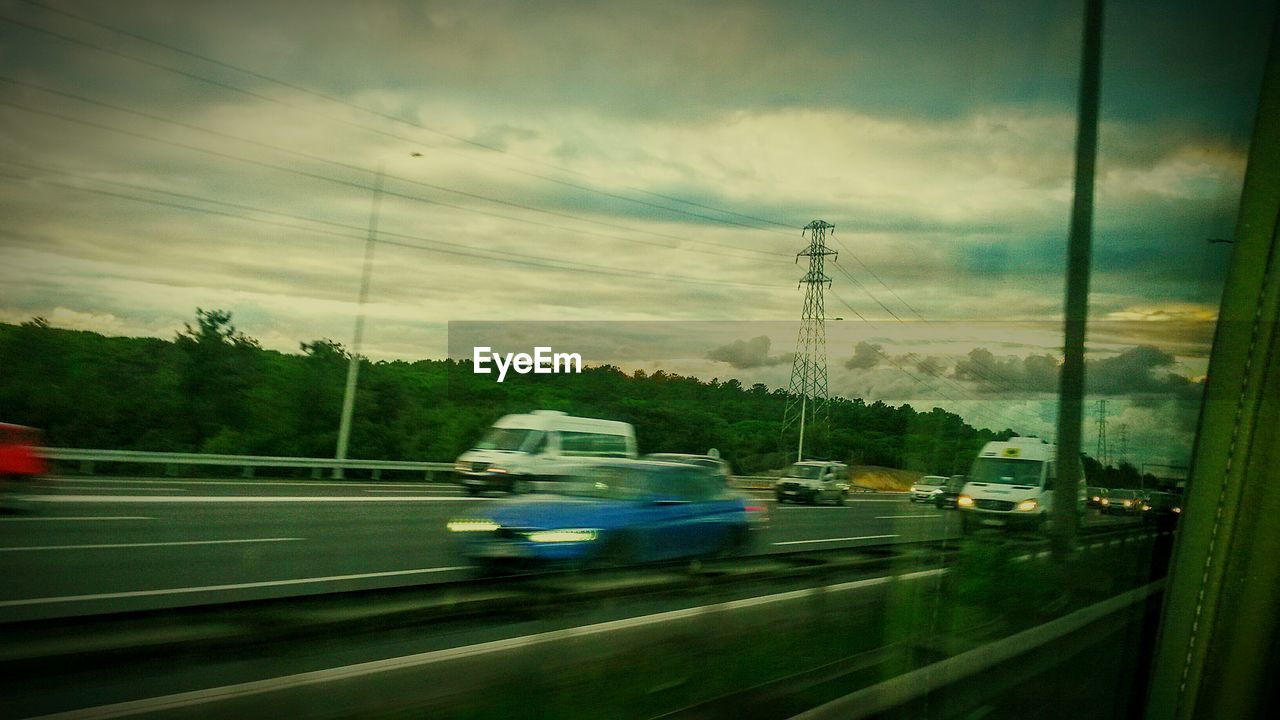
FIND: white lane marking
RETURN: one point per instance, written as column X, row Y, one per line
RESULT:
column 892, row 517
column 222, row 588
column 241, row 498
column 104, row 546
column 407, row 490
column 84, row 518
column 143, row 488
column 831, row 507
column 347, row 672
column 842, row 539
column 309, row 483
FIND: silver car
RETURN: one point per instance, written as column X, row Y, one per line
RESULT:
column 812, row 481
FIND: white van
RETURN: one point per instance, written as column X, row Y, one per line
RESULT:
column 545, row 445
column 1011, row 484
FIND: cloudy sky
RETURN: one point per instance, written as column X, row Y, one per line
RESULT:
column 638, row 162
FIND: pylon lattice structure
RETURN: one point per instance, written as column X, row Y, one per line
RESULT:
column 1103, row 453
column 808, row 404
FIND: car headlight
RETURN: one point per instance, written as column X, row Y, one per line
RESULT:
column 498, row 470
column 554, row 536
column 1146, row 508
column 461, row 467
column 472, row 526
column 1177, row 509
column 1128, row 503
column 964, row 501
column 1095, row 498
column 1105, row 501
column 1028, row 505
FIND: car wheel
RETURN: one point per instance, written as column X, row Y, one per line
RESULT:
column 736, row 542
column 813, row 498
column 521, row 486
column 840, row 498
column 619, row 550
column 966, row 525
column 471, row 491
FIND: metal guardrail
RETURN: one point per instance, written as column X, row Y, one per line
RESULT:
column 173, row 460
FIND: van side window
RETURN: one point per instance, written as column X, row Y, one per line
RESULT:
column 1051, row 475
column 537, row 444
column 592, row 444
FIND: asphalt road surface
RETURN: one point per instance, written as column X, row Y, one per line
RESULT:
column 91, row 545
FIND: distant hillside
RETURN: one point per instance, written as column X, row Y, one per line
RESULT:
column 882, row 478
column 212, row 389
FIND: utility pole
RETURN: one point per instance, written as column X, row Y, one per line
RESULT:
column 1062, row 540
column 808, row 404
column 353, row 365
column 1103, row 452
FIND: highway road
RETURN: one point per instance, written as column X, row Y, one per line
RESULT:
column 92, row 545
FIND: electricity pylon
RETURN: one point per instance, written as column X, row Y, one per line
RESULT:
column 808, row 403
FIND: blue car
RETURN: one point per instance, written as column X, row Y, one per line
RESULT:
column 615, row 513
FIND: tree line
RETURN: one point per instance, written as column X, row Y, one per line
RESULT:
column 213, row 389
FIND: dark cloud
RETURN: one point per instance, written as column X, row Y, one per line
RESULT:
column 865, row 356
column 748, row 354
column 1138, row 371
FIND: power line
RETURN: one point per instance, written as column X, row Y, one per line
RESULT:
column 864, row 289
column 882, row 282
column 349, row 166
column 387, row 116
column 436, row 245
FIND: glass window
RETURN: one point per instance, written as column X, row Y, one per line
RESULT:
column 1004, row 471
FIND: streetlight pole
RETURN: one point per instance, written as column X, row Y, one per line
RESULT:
column 353, row 366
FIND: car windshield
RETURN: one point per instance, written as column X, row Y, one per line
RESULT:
column 1122, row 494
column 808, row 472
column 1005, row 471
column 506, row 439
column 931, row 481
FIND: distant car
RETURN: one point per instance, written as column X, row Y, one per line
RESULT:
column 711, row 461
column 950, row 491
column 813, row 481
column 1161, row 507
column 617, row 512
column 928, row 488
column 1121, row 502
column 1094, row 496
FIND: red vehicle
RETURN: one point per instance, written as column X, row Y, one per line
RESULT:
column 20, row 457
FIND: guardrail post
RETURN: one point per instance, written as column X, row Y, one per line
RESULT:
column 377, row 474
column 248, row 471
column 86, row 467
column 171, row 470
column 430, row 475
column 315, row 473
